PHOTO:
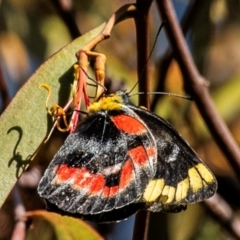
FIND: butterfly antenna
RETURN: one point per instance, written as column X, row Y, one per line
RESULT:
column 154, row 44
column 164, row 93
column 80, row 111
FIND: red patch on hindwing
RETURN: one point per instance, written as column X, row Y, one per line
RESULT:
column 126, row 174
column 138, row 155
column 128, row 124
column 151, row 151
column 113, row 191
column 142, row 156
column 81, row 177
column 97, row 184
column 109, row 192
column 64, row 173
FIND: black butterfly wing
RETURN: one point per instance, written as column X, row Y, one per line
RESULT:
column 103, row 217
column 100, row 167
column 181, row 177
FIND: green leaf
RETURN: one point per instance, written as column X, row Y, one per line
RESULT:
column 50, row 226
column 25, row 124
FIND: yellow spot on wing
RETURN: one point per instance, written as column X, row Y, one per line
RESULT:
column 195, row 179
column 142, row 107
column 153, row 190
column 182, row 190
column 205, row 173
column 198, row 178
column 169, row 191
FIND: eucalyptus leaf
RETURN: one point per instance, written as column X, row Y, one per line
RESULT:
column 49, row 226
column 25, row 123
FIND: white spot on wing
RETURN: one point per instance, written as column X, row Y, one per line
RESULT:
column 174, row 154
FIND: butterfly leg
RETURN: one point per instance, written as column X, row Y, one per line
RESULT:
column 56, row 112
column 80, row 81
column 99, row 68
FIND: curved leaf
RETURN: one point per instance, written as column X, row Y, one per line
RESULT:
column 24, row 124
column 50, row 226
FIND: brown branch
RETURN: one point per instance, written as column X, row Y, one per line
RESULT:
column 66, row 12
column 190, row 14
column 220, row 209
column 141, row 225
column 196, row 85
column 126, row 11
column 3, row 91
column 30, row 178
column 20, row 215
column 142, row 30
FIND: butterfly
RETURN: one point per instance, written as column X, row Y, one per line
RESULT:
column 122, row 159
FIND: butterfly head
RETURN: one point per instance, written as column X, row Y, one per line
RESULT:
column 112, row 102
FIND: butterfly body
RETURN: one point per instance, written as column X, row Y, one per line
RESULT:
column 122, row 159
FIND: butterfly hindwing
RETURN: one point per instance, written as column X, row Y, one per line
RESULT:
column 181, row 177
column 104, row 165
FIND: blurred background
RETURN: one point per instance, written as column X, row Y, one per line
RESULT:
column 31, row 31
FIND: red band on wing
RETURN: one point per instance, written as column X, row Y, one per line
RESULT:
column 97, row 184
column 128, row 124
column 82, row 178
column 109, row 192
column 126, row 174
column 64, row 173
column 151, row 151
column 106, row 191
column 138, row 155
column 113, row 191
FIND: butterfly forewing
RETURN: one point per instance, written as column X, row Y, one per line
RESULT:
column 181, row 177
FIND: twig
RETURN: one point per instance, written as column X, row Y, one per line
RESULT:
column 126, row 11
column 141, row 225
column 196, row 85
column 30, row 178
column 142, row 29
column 66, row 12
column 166, row 60
column 224, row 213
column 3, row 91
column 20, row 215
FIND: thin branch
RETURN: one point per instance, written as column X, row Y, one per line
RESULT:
column 20, row 215
column 126, row 11
column 166, row 60
column 196, row 85
column 3, row 92
column 30, row 178
column 141, row 225
column 142, row 30
column 224, row 213
column 66, row 12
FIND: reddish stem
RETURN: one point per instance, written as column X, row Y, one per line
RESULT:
column 3, row 91
column 142, row 31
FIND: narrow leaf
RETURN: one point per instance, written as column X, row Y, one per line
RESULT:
column 49, row 226
column 25, row 124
